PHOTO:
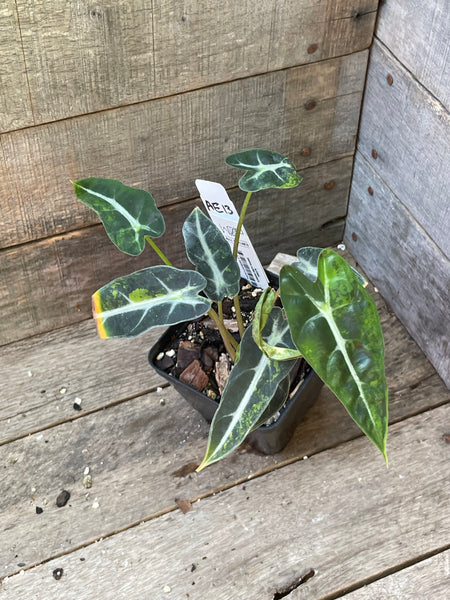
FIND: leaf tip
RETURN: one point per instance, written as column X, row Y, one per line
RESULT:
column 201, row 466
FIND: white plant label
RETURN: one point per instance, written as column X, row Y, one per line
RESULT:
column 224, row 214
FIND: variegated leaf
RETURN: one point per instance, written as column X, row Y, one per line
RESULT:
column 211, row 254
column 161, row 295
column 261, row 314
column 128, row 214
column 308, row 258
column 252, row 384
column 264, row 169
column 276, row 404
column 334, row 323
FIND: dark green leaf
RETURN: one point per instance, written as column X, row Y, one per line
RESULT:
column 334, row 323
column 264, row 169
column 252, row 383
column 130, row 305
column 211, row 254
column 128, row 214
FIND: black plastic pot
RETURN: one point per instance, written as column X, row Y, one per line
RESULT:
column 268, row 439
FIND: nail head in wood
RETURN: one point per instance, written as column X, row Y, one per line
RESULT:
column 310, row 104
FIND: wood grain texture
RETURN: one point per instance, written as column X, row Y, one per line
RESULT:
column 270, row 531
column 118, row 53
column 164, row 145
column 49, row 283
column 137, row 453
column 82, row 57
column 417, row 34
column 409, row 130
column 427, row 579
column 15, row 107
column 102, row 373
column 42, row 377
column 413, row 275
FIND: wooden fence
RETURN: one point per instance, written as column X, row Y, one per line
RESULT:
column 157, row 94
column 399, row 214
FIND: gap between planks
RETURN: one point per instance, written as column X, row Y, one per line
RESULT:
column 386, row 573
column 170, row 204
column 409, row 444
column 188, row 91
column 240, row 481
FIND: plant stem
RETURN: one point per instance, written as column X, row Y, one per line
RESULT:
column 240, row 223
column 158, row 251
column 228, row 339
column 220, row 309
column 237, row 237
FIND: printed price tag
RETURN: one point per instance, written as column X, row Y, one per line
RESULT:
column 224, row 214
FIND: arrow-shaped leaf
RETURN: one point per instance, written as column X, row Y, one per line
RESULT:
column 211, row 254
column 264, row 169
column 334, row 323
column 252, row 383
column 130, row 305
column 128, row 214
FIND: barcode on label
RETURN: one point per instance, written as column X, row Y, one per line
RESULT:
column 250, row 273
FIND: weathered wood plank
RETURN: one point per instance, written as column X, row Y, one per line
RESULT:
column 164, row 145
column 127, row 52
column 49, row 283
column 426, row 579
column 15, row 107
column 272, row 529
column 417, row 34
column 42, row 377
column 411, row 143
column 121, row 445
column 82, row 57
column 412, row 274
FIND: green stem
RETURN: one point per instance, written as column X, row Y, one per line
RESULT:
column 240, row 223
column 158, row 251
column 220, row 309
column 237, row 237
column 226, row 335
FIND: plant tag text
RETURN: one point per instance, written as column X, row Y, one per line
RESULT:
column 224, row 214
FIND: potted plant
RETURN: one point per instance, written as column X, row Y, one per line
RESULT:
column 327, row 315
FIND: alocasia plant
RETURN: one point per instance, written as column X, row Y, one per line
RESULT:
column 328, row 317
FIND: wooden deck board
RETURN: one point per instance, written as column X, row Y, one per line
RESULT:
column 140, row 454
column 35, row 372
column 341, row 513
column 428, row 578
column 133, row 450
